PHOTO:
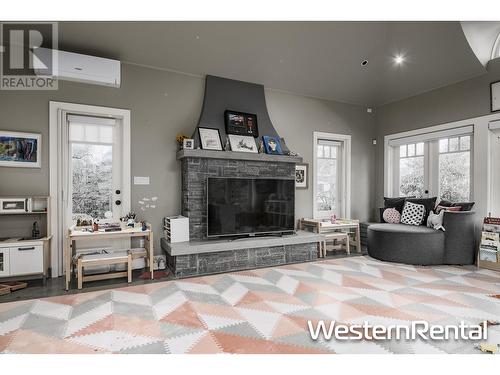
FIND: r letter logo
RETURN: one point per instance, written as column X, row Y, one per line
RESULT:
column 28, row 56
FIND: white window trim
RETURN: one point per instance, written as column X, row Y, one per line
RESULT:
column 392, row 141
column 56, row 121
column 346, row 171
column 481, row 157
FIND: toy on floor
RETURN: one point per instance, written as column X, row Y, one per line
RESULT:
column 488, row 348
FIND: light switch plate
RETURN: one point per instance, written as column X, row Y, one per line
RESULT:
column 141, row 180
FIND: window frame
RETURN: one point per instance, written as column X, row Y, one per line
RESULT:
column 344, row 178
column 430, row 137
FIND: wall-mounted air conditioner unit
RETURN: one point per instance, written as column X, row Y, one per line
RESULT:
column 80, row 68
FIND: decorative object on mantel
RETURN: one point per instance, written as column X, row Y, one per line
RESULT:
column 262, row 149
column 179, row 138
column 188, row 144
column 495, row 96
column 227, row 145
column 301, row 176
column 20, row 149
column 210, row 139
column 240, row 123
column 242, row 143
column 272, row 145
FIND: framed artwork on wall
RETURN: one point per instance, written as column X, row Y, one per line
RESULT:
column 210, row 139
column 242, row 143
column 301, row 176
column 22, row 150
column 241, row 123
column 495, row 96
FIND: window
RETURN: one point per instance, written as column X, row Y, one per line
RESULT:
column 331, row 163
column 455, row 169
column 93, row 167
column 433, row 164
column 411, row 169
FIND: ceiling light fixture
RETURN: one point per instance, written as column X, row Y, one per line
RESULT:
column 364, row 63
column 399, row 59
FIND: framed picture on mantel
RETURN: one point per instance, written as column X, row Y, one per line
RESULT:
column 210, row 139
column 240, row 123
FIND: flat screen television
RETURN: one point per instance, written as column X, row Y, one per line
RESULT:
column 250, row 206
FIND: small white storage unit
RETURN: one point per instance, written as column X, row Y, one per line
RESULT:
column 176, row 229
column 22, row 257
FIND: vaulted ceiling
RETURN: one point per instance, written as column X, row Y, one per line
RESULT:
column 320, row 59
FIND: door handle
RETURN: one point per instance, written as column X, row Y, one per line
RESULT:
column 118, row 202
column 26, row 248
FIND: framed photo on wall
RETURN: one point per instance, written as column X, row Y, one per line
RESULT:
column 22, row 150
column 241, row 123
column 242, row 143
column 210, row 139
column 301, row 176
column 495, row 96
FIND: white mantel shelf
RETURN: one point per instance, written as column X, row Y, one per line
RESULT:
column 231, row 155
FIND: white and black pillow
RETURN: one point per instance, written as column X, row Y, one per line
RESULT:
column 413, row 214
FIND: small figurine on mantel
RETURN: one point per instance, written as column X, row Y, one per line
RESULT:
column 227, row 145
column 261, row 147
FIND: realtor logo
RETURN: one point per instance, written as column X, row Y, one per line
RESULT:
column 28, row 56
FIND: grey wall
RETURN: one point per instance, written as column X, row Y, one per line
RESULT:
column 463, row 100
column 164, row 104
column 296, row 117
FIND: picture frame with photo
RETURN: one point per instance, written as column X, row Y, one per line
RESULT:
column 241, row 123
column 272, row 145
column 242, row 143
column 19, row 149
column 302, row 176
column 188, row 144
column 210, row 139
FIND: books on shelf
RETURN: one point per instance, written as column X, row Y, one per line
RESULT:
column 489, row 249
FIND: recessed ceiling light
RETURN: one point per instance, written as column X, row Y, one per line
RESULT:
column 364, row 63
column 197, row 37
column 399, row 59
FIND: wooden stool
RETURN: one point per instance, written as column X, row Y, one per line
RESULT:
column 100, row 260
column 336, row 236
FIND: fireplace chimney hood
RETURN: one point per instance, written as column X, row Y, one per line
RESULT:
column 223, row 94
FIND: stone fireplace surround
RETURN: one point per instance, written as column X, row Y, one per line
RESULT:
column 202, row 256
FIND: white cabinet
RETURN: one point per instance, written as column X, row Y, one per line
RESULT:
column 26, row 259
column 21, row 259
column 4, row 262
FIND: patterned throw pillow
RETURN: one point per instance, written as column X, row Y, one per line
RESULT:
column 391, row 215
column 413, row 214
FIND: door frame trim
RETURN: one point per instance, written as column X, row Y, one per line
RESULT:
column 56, row 111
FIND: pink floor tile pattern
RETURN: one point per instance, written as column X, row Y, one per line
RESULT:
column 258, row 311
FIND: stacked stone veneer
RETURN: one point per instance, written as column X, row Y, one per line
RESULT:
column 195, row 172
column 242, row 259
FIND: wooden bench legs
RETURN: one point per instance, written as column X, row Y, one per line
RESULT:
column 82, row 262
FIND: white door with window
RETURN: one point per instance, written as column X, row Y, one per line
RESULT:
column 89, row 171
column 331, row 174
column 434, row 164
